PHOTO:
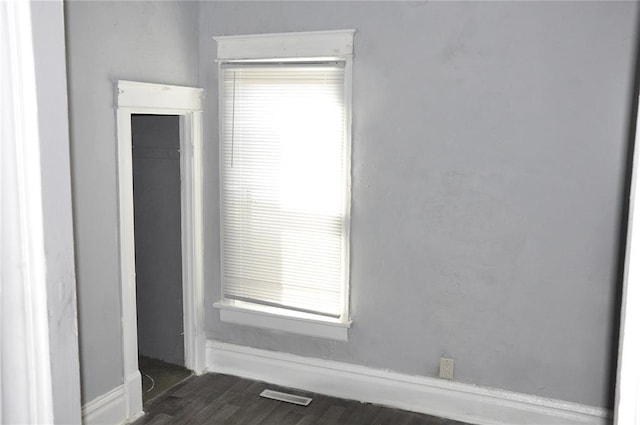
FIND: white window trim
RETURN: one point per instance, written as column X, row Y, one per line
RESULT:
column 279, row 319
column 282, row 46
column 286, row 45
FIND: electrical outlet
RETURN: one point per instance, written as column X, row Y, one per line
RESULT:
column 446, row 368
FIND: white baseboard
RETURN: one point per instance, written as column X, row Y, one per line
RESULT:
column 452, row 400
column 119, row 406
column 108, row 409
column 133, row 388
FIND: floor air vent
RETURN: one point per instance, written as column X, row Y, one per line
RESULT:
column 289, row 398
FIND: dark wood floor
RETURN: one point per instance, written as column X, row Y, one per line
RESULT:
column 215, row 399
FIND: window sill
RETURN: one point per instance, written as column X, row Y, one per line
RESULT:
column 243, row 313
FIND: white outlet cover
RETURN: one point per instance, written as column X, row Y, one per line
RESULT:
column 446, row 368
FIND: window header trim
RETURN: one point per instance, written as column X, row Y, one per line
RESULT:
column 337, row 43
column 280, row 65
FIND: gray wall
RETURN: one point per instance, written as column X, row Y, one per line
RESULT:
column 53, row 127
column 489, row 144
column 156, row 198
column 107, row 41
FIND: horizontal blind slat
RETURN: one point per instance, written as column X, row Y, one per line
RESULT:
column 284, row 184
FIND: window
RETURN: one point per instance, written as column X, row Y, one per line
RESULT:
column 285, row 180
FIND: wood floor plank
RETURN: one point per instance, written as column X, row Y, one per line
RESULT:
column 225, row 412
column 331, row 415
column 352, row 409
column 212, row 402
column 256, row 410
column 215, row 399
column 276, row 416
column 169, row 405
column 421, row 420
column 290, row 418
column 161, row 419
column 307, row 420
column 362, row 415
column 389, row 416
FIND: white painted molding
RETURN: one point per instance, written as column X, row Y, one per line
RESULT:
column 192, row 243
column 119, row 406
column 186, row 102
column 108, row 409
column 133, row 389
column 286, row 45
column 25, row 379
column 627, row 403
column 453, row 400
column 267, row 317
column 133, row 94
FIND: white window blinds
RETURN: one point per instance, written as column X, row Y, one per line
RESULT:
column 284, row 185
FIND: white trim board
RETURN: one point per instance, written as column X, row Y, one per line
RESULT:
column 268, row 317
column 627, row 404
column 286, row 45
column 108, row 409
column 113, row 407
column 453, row 400
column 133, row 94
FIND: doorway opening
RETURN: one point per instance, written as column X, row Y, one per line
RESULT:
column 174, row 110
column 158, row 251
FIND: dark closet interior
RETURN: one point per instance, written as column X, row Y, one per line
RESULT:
column 157, row 222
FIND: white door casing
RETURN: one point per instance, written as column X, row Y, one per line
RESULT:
column 186, row 102
column 627, row 403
